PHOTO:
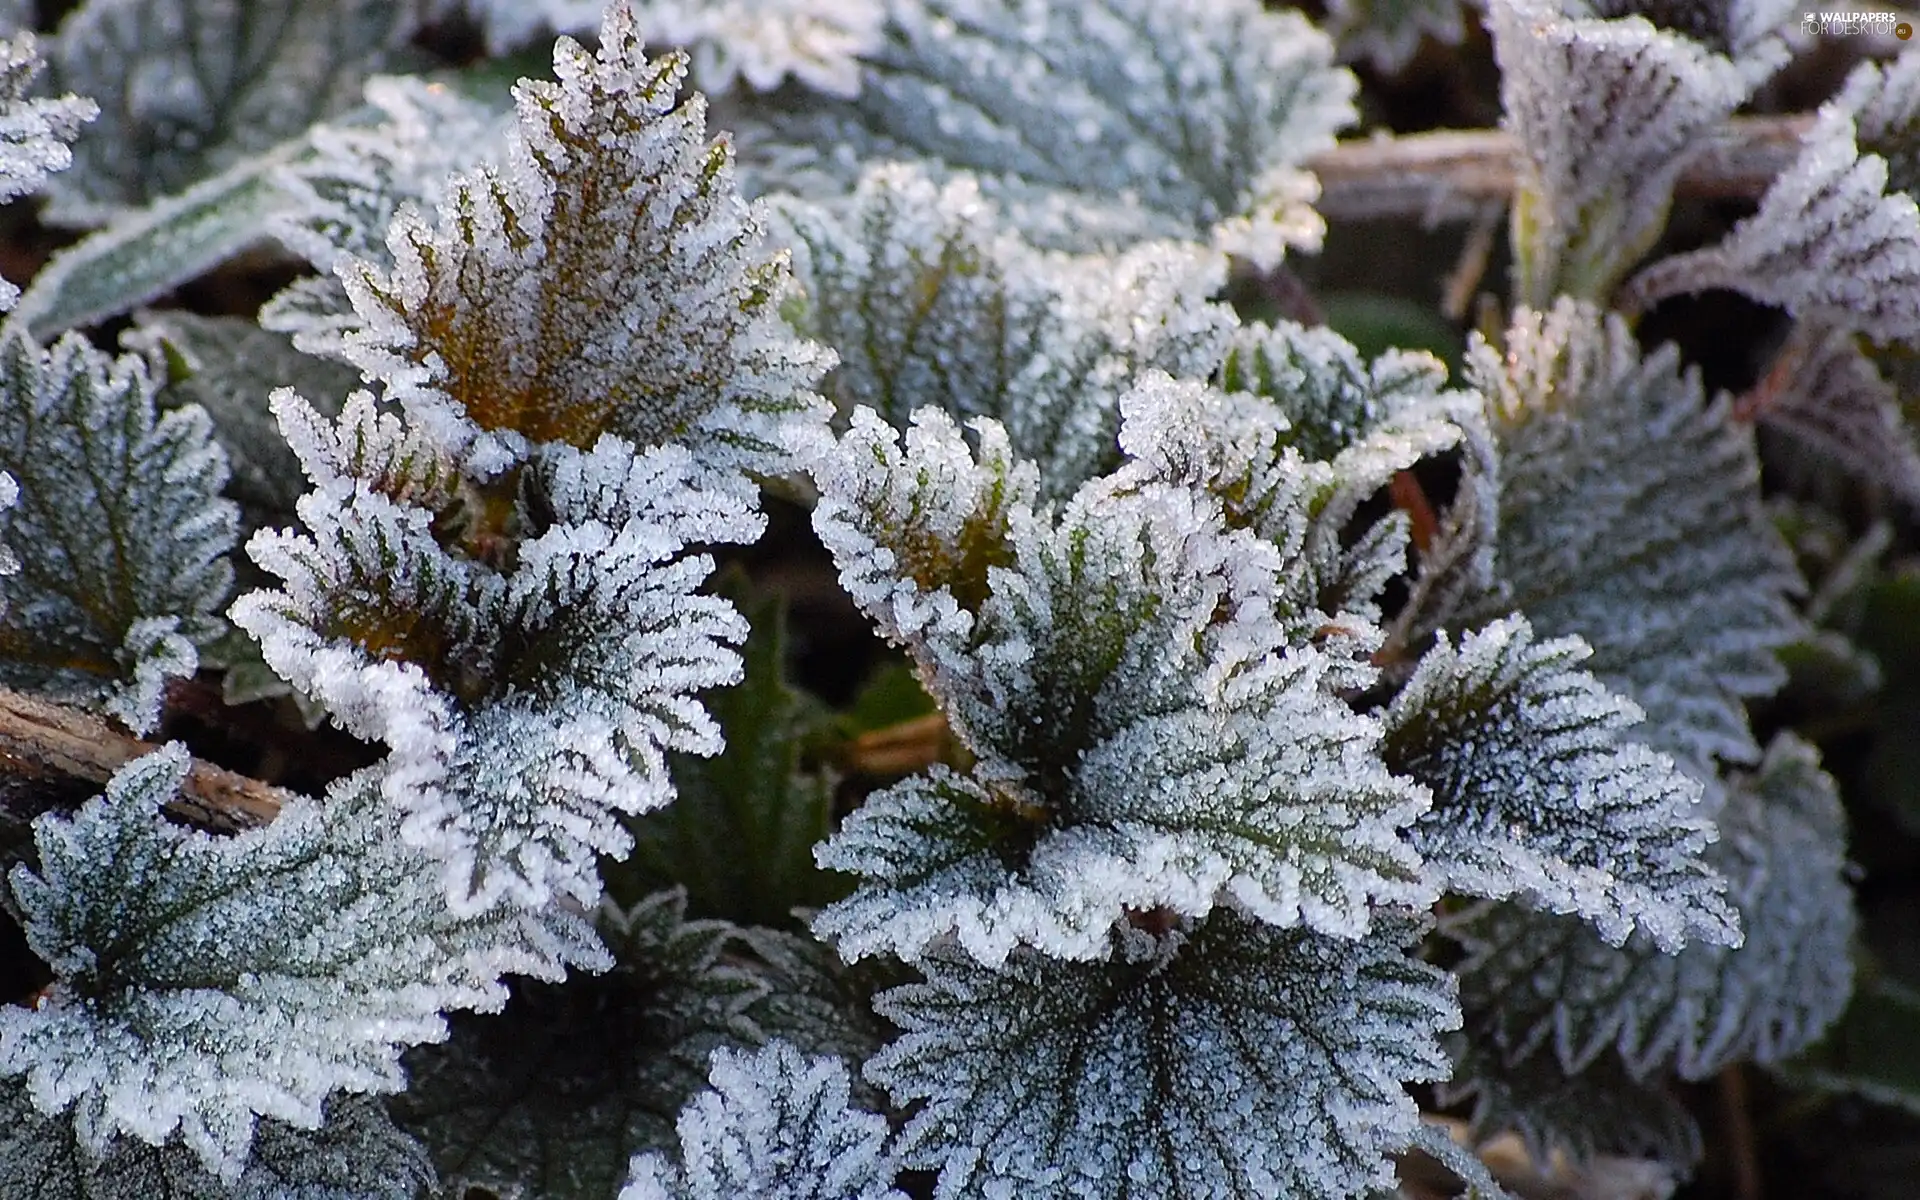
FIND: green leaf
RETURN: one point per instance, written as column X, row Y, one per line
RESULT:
column 1873, row 1051
column 740, row 837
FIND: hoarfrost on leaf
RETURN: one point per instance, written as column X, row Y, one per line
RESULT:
column 1166, row 118
column 1145, row 736
column 607, row 280
column 247, row 976
column 775, row 1125
column 1537, row 792
column 1829, row 397
column 120, row 512
column 930, row 301
column 762, row 42
column 1231, row 1060
column 1388, row 33
column 34, row 131
column 1546, row 984
column 1630, row 517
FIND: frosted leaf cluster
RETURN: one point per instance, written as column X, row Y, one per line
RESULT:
column 761, row 42
column 1535, row 794
column 1546, row 984
column 928, row 300
column 1630, row 517
column 34, row 131
column 121, row 506
column 775, row 1126
column 246, row 976
column 188, row 88
column 1165, row 118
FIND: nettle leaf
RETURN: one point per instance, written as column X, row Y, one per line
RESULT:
column 1230, row 1060
column 1606, row 114
column 555, row 1096
column 813, row 999
column 34, row 131
column 929, row 301
column 525, row 707
column 1165, row 120
column 357, row 1154
column 1598, row 1110
column 1538, row 794
column 608, row 281
column 774, row 1124
column 188, row 88
column 228, row 366
column 761, row 42
column 1540, row 983
column 1831, row 398
column 1145, row 738
column 1833, row 240
column 121, row 509
column 1630, row 516
column 246, row 976
column 740, row 835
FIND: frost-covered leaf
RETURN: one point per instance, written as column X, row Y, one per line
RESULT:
column 1599, row 1110
column 357, row 1154
column 1830, row 398
column 775, row 1126
column 557, row 1094
column 1630, row 516
column 1544, row 984
column 1387, row 33
column 761, row 42
column 202, row 981
column 813, row 999
column 120, row 527
column 1832, row 241
column 928, row 301
column 34, row 131
column 1537, row 792
column 527, row 703
column 1164, row 118
column 228, row 366
column 1744, row 30
column 1606, row 114
column 1145, row 737
column 1230, row 1060
column 740, row 834
column 189, row 88
column 607, row 280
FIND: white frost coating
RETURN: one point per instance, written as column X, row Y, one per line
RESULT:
column 1630, row 517
column 245, row 976
column 931, row 302
column 1832, row 240
column 1146, row 738
column 776, row 1125
column 1606, row 114
column 1179, row 119
column 1538, row 794
column 632, row 297
column 1547, row 984
column 818, row 42
column 1232, row 1060
column 34, row 132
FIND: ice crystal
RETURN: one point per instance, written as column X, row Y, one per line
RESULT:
column 1118, row 674
column 34, row 132
column 1548, row 984
column 121, row 507
column 775, row 1126
column 247, row 976
column 190, row 87
column 356, row 1154
column 1630, row 516
column 1231, row 1060
column 1165, row 119
column 929, row 301
column 1537, row 793
column 1606, row 114
column 818, row 42
column 607, row 280
column 556, row 1095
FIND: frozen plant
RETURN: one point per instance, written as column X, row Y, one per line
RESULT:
column 1275, row 745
